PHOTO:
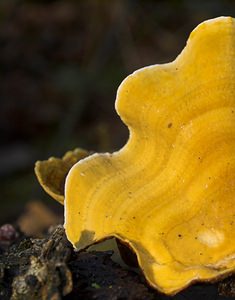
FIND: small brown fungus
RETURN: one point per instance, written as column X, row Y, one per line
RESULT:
column 51, row 173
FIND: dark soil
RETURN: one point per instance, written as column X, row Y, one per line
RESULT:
column 49, row 268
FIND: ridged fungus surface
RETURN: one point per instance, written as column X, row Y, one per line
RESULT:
column 169, row 193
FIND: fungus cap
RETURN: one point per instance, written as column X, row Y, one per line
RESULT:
column 169, row 193
column 51, row 173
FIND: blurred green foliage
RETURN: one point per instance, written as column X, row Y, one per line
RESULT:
column 60, row 65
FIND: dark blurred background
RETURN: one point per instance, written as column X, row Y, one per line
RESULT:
column 61, row 63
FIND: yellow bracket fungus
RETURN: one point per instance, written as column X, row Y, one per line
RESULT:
column 51, row 173
column 169, row 193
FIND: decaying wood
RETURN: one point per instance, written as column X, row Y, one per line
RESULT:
column 37, row 269
column 49, row 269
column 227, row 287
